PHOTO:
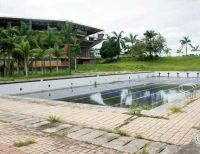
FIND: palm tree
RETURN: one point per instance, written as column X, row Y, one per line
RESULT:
column 149, row 39
column 57, row 52
column 185, row 42
column 40, row 54
column 67, row 32
column 131, row 39
column 50, row 37
column 149, row 34
column 24, row 48
column 75, row 50
column 195, row 48
column 119, row 39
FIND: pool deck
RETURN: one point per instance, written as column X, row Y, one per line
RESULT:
column 177, row 129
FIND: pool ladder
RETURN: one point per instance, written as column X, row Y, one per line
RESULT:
column 192, row 92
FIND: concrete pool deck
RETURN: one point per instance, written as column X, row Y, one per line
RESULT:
column 178, row 129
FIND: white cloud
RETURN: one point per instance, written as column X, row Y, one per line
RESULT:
column 172, row 18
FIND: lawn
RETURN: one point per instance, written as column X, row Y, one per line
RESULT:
column 190, row 63
column 123, row 64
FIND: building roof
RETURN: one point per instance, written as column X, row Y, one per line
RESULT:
column 43, row 23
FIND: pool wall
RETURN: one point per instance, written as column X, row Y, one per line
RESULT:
column 23, row 87
column 181, row 74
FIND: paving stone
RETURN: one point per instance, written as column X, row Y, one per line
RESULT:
column 39, row 124
column 25, row 122
column 134, row 146
column 57, row 128
column 69, row 130
column 104, row 138
column 155, row 147
column 170, row 149
column 78, row 134
column 16, row 118
column 92, row 135
column 191, row 148
column 117, row 143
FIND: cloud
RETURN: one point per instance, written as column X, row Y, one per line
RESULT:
column 172, row 18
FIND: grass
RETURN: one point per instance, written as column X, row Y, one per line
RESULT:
column 3, row 121
column 139, row 136
column 120, row 132
column 24, row 143
column 176, row 109
column 189, row 63
column 196, row 127
column 143, row 151
column 54, row 119
column 35, row 75
column 134, row 110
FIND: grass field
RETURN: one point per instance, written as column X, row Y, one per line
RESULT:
column 190, row 63
column 124, row 64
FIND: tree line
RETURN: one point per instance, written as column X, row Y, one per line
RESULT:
column 151, row 45
column 19, row 45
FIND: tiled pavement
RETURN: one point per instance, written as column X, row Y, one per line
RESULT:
column 10, row 133
column 177, row 130
column 26, row 127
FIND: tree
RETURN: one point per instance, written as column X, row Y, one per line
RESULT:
column 150, row 41
column 179, row 51
column 195, row 48
column 24, row 48
column 138, row 50
column 40, row 54
column 130, row 39
column 67, row 32
column 57, row 52
column 184, row 42
column 8, row 37
column 75, row 50
column 119, row 40
column 167, row 51
column 50, row 37
column 110, row 49
column 150, row 34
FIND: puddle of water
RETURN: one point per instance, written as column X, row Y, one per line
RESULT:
column 147, row 95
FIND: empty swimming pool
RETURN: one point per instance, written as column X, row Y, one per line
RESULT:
column 153, row 91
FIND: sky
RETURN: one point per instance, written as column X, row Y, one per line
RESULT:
column 174, row 19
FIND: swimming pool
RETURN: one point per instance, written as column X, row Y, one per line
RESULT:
column 148, row 92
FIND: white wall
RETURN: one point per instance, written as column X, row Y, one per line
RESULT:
column 44, row 85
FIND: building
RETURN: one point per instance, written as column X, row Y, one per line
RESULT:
column 89, row 37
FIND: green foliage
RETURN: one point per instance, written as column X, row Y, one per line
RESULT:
column 3, row 121
column 120, row 132
column 151, row 45
column 143, row 151
column 19, row 45
column 109, row 49
column 185, row 42
column 139, row 136
column 196, row 127
column 54, row 119
column 176, row 109
column 189, row 63
column 135, row 109
column 24, row 143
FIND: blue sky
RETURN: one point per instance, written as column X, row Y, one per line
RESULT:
column 172, row 18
